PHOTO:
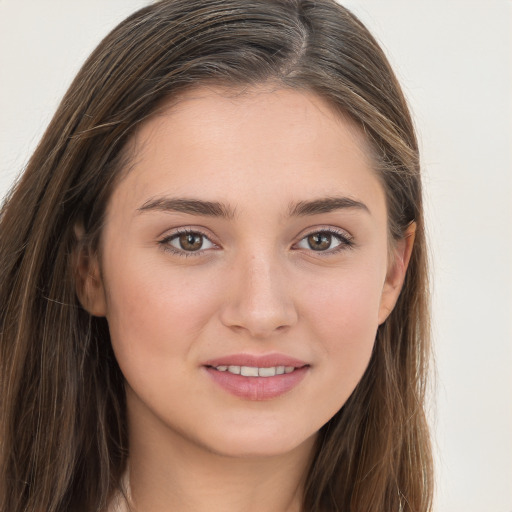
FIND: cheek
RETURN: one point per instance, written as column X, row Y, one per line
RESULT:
column 154, row 313
column 346, row 304
column 343, row 318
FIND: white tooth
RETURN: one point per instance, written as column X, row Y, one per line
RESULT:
column 249, row 371
column 234, row 369
column 289, row 369
column 279, row 370
column 221, row 368
column 267, row 372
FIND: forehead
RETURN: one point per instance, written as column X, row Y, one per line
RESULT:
column 222, row 143
column 300, row 117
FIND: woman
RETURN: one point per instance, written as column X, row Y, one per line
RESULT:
column 213, row 274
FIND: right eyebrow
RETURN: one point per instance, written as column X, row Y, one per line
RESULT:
column 190, row 206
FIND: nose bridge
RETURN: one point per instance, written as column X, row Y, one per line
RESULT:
column 261, row 301
column 263, row 286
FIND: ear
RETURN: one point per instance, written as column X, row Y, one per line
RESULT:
column 88, row 280
column 396, row 273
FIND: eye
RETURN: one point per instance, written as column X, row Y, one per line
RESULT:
column 325, row 241
column 187, row 242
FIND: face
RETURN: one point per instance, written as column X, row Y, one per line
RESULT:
column 244, row 270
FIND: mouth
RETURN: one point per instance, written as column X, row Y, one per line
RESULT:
column 255, row 371
column 257, row 377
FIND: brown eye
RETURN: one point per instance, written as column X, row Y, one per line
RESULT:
column 190, row 241
column 320, row 241
column 326, row 241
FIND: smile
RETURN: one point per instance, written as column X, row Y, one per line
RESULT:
column 254, row 371
column 251, row 377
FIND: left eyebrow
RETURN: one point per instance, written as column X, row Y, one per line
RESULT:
column 325, row 205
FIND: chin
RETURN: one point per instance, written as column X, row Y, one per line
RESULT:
column 258, row 443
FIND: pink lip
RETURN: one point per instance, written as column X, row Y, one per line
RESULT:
column 257, row 388
column 263, row 361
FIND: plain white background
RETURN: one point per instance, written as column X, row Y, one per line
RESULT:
column 454, row 59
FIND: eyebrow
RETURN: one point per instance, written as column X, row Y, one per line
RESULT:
column 325, row 205
column 217, row 209
column 190, row 206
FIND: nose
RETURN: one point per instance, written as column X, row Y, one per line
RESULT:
column 259, row 298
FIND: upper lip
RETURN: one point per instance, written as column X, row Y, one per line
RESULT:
column 259, row 361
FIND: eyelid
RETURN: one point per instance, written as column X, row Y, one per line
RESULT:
column 163, row 240
column 346, row 239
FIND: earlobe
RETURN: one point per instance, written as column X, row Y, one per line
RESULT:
column 88, row 280
column 396, row 273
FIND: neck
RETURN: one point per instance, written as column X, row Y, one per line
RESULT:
column 170, row 472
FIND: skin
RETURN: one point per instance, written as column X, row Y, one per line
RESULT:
column 256, row 287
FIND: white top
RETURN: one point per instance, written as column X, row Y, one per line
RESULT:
column 121, row 501
column 118, row 504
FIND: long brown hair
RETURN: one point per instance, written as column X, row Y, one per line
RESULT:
column 62, row 407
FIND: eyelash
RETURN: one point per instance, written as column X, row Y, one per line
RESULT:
column 345, row 242
column 167, row 247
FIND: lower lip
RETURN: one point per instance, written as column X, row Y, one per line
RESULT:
column 257, row 388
